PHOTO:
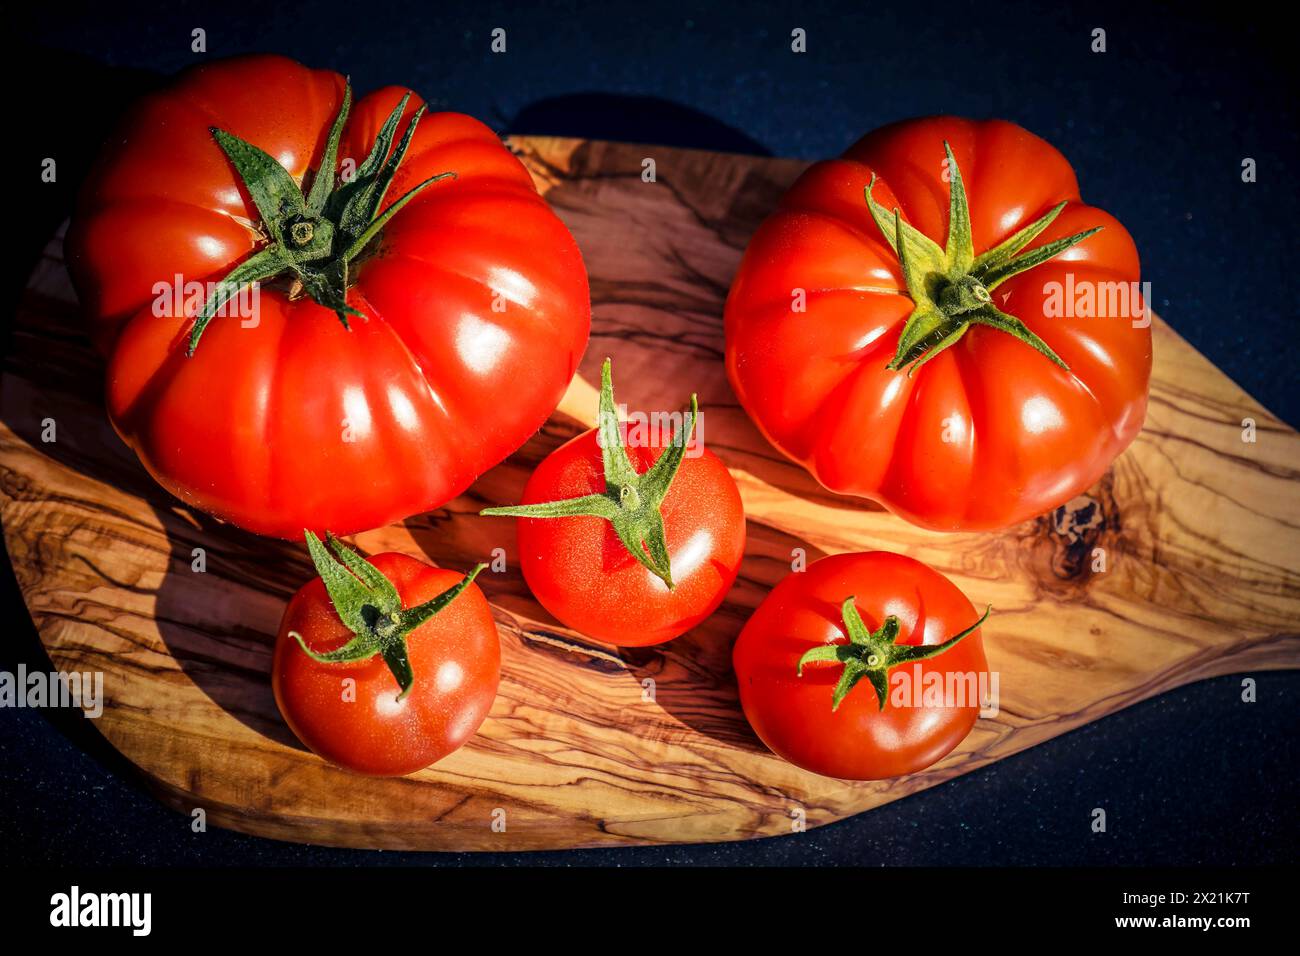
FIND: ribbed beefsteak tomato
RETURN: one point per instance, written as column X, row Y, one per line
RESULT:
column 966, row 386
column 418, row 309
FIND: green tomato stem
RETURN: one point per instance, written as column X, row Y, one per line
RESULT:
column 950, row 286
column 872, row 654
column 368, row 603
column 631, row 502
column 316, row 238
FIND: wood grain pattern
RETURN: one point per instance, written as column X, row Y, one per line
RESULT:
column 1200, row 529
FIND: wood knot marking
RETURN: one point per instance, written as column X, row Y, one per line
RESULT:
column 1077, row 530
column 1077, row 518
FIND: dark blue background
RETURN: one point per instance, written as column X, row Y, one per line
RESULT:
column 1157, row 128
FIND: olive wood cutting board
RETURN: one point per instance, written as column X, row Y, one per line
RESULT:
column 591, row 745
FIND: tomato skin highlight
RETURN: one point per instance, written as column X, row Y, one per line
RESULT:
column 291, row 420
column 580, row 571
column 793, row 715
column 989, row 433
column 455, row 656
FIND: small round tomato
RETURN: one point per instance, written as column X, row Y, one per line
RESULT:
column 863, row 666
column 632, row 543
column 385, row 665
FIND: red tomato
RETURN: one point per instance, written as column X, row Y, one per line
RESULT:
column 1012, row 408
column 678, row 551
column 353, row 711
column 468, row 310
column 806, row 618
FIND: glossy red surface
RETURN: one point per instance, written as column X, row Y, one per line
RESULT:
column 792, row 714
column 350, row 714
column 581, row 572
column 476, row 305
column 989, row 432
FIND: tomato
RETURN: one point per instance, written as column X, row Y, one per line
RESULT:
column 628, row 536
column 953, row 391
column 384, row 361
column 385, row 665
column 814, row 661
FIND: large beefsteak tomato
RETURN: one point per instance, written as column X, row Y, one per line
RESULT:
column 971, row 385
column 409, row 328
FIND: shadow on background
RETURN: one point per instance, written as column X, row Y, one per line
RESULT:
column 66, row 121
column 52, row 128
column 631, row 119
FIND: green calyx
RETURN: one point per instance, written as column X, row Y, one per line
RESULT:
column 872, row 654
column 368, row 603
column 950, row 287
column 314, row 239
column 630, row 502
